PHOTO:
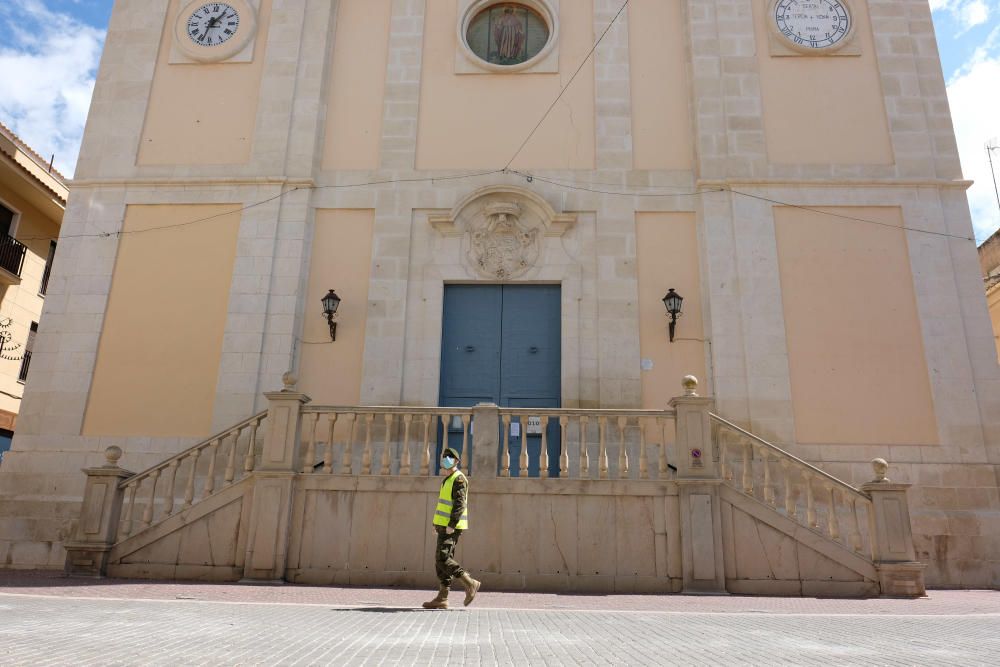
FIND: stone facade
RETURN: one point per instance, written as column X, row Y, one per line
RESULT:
column 955, row 504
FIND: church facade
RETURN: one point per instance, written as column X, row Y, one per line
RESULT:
column 501, row 209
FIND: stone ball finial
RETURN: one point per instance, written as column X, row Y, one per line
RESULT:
column 289, row 380
column 690, row 384
column 880, row 466
column 112, row 454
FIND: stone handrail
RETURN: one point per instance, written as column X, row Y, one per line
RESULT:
column 762, row 470
column 202, row 471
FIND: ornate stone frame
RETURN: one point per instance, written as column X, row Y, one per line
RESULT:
column 781, row 46
column 238, row 49
column 438, row 258
column 546, row 60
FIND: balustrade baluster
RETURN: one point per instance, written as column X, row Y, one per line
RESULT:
column 747, row 469
column 563, row 449
column 466, row 420
column 310, row 429
column 366, row 454
column 425, row 456
column 855, row 526
column 602, row 451
column 248, row 461
column 790, row 508
column 505, row 459
column 386, row 459
column 328, row 456
column 189, row 489
column 643, row 463
column 404, row 461
column 622, row 449
column 445, row 421
column 147, row 515
column 230, row 473
column 833, row 524
column 213, row 450
column 347, row 463
column 126, row 528
column 168, row 502
column 523, row 458
column 725, row 469
column 810, row 505
column 584, row 454
column 663, row 468
column 768, row 487
column 543, row 457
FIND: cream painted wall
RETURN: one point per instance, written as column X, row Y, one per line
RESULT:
column 661, row 116
column 993, row 299
column 163, row 331
column 855, row 348
column 357, row 85
column 477, row 121
column 330, row 373
column 667, row 253
column 823, row 110
column 204, row 113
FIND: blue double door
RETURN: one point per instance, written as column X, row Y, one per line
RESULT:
column 502, row 344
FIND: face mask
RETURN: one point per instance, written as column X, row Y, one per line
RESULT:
column 448, row 463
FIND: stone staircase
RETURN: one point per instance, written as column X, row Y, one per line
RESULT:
column 664, row 501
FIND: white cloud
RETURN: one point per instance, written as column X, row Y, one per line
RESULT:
column 48, row 63
column 974, row 96
column 966, row 13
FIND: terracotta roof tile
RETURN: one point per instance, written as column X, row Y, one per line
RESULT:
column 42, row 162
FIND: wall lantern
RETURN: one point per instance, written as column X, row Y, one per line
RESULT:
column 673, row 302
column 331, row 302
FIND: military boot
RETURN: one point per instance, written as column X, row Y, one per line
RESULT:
column 439, row 602
column 471, row 588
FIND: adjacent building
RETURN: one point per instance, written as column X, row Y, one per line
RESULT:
column 32, row 202
column 989, row 261
column 501, row 209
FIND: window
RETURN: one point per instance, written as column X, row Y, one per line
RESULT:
column 48, row 269
column 28, row 346
column 507, row 34
column 6, row 220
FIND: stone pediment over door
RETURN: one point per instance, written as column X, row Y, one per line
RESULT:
column 502, row 230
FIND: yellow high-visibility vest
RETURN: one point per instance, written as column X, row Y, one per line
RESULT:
column 442, row 513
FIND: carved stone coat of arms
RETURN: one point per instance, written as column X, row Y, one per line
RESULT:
column 502, row 247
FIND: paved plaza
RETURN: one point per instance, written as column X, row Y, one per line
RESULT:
column 50, row 620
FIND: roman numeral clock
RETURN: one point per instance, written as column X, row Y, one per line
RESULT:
column 216, row 31
column 811, row 27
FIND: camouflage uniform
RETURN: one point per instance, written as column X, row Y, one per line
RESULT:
column 444, row 555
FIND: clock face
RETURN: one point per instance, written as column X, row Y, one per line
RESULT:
column 212, row 24
column 812, row 24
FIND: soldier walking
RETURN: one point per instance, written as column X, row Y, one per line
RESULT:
column 451, row 517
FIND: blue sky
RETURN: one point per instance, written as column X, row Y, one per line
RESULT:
column 49, row 52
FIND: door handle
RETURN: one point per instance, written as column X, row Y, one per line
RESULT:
column 470, row 348
column 533, row 350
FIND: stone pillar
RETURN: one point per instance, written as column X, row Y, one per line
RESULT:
column 274, row 486
column 485, row 441
column 900, row 574
column 698, row 484
column 87, row 553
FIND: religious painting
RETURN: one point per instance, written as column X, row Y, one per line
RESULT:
column 507, row 34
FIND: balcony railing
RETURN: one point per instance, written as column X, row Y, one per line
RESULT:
column 11, row 255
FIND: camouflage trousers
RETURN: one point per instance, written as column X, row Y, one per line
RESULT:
column 444, row 557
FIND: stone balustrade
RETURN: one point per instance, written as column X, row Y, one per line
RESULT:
column 701, row 479
column 793, row 487
column 196, row 473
